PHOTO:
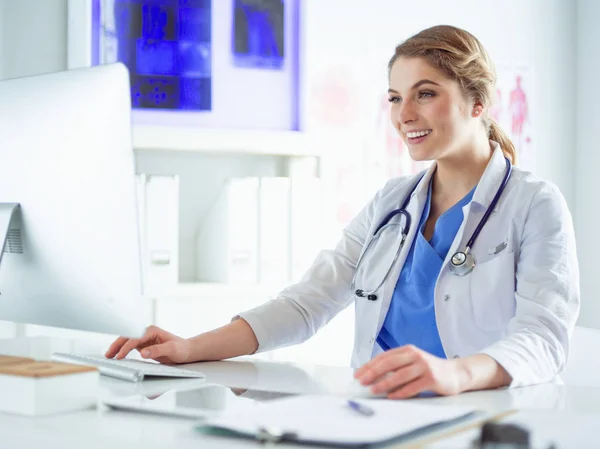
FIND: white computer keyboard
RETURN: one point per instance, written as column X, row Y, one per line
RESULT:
column 126, row 369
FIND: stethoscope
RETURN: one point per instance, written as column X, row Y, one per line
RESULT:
column 461, row 262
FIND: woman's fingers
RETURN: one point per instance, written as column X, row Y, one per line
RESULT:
column 130, row 345
column 158, row 351
column 411, row 389
column 115, row 347
column 399, row 378
column 387, row 362
column 123, row 345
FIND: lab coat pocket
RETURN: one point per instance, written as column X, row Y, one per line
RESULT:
column 493, row 292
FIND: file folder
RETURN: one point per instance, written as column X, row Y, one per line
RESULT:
column 158, row 212
column 227, row 242
column 329, row 420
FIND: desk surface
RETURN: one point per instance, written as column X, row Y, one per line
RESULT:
column 103, row 427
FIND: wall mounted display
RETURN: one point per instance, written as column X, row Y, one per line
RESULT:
column 258, row 33
column 220, row 64
column 166, row 46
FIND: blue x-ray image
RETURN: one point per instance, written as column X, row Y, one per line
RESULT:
column 258, row 33
column 166, row 44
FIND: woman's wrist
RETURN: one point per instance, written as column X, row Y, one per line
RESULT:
column 232, row 340
column 194, row 353
column 464, row 375
column 480, row 372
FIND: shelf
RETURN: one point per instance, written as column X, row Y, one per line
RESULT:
column 184, row 138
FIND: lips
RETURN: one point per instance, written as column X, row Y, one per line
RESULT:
column 418, row 133
column 420, row 136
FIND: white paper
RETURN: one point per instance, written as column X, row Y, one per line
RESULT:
column 330, row 419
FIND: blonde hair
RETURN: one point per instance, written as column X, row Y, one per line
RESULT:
column 461, row 57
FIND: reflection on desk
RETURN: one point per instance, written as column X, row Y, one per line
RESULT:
column 200, row 401
column 572, row 411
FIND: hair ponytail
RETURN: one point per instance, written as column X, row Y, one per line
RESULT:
column 497, row 134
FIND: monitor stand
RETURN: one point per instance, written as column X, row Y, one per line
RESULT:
column 10, row 236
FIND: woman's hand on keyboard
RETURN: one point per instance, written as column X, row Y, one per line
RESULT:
column 156, row 344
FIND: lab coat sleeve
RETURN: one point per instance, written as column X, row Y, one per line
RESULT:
column 536, row 347
column 300, row 310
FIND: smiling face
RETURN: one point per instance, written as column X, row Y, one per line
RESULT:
column 430, row 111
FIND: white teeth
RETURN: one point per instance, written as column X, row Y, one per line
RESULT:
column 412, row 135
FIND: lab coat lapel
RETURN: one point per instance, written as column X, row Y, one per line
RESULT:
column 492, row 178
column 415, row 210
column 484, row 194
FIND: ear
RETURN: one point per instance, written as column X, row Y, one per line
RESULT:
column 477, row 110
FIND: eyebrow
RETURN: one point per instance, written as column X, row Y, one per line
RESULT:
column 416, row 85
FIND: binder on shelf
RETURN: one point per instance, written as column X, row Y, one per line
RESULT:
column 158, row 212
column 306, row 224
column 263, row 230
column 227, row 240
column 274, row 231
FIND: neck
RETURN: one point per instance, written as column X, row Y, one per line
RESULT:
column 456, row 175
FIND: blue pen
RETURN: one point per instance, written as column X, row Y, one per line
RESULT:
column 361, row 408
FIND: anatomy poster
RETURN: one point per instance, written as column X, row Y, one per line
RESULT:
column 512, row 110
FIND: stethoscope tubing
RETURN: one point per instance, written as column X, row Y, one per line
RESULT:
column 459, row 269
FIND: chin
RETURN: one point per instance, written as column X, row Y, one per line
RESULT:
column 425, row 153
column 421, row 155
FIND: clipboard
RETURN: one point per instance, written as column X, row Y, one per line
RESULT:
column 328, row 420
column 474, row 424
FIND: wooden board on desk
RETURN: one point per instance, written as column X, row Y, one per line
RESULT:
column 6, row 360
column 43, row 369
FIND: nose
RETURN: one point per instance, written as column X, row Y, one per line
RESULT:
column 406, row 112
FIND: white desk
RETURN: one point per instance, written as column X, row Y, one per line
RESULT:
column 104, row 428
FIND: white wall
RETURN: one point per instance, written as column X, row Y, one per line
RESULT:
column 587, row 160
column 1, row 36
column 34, row 36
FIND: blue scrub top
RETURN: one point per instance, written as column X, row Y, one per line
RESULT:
column 411, row 316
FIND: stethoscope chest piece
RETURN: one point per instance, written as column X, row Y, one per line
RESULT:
column 462, row 263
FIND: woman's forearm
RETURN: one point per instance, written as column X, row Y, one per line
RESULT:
column 482, row 372
column 232, row 340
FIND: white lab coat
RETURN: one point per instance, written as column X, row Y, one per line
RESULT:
column 519, row 305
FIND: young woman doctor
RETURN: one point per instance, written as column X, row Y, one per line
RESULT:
column 464, row 277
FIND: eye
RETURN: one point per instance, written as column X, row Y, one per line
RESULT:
column 394, row 99
column 426, row 94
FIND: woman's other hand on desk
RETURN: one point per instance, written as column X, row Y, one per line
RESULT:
column 156, row 344
column 406, row 371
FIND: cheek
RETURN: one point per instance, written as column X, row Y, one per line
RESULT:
column 393, row 112
column 444, row 116
column 441, row 111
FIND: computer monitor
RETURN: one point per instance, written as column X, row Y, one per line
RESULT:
column 72, row 258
